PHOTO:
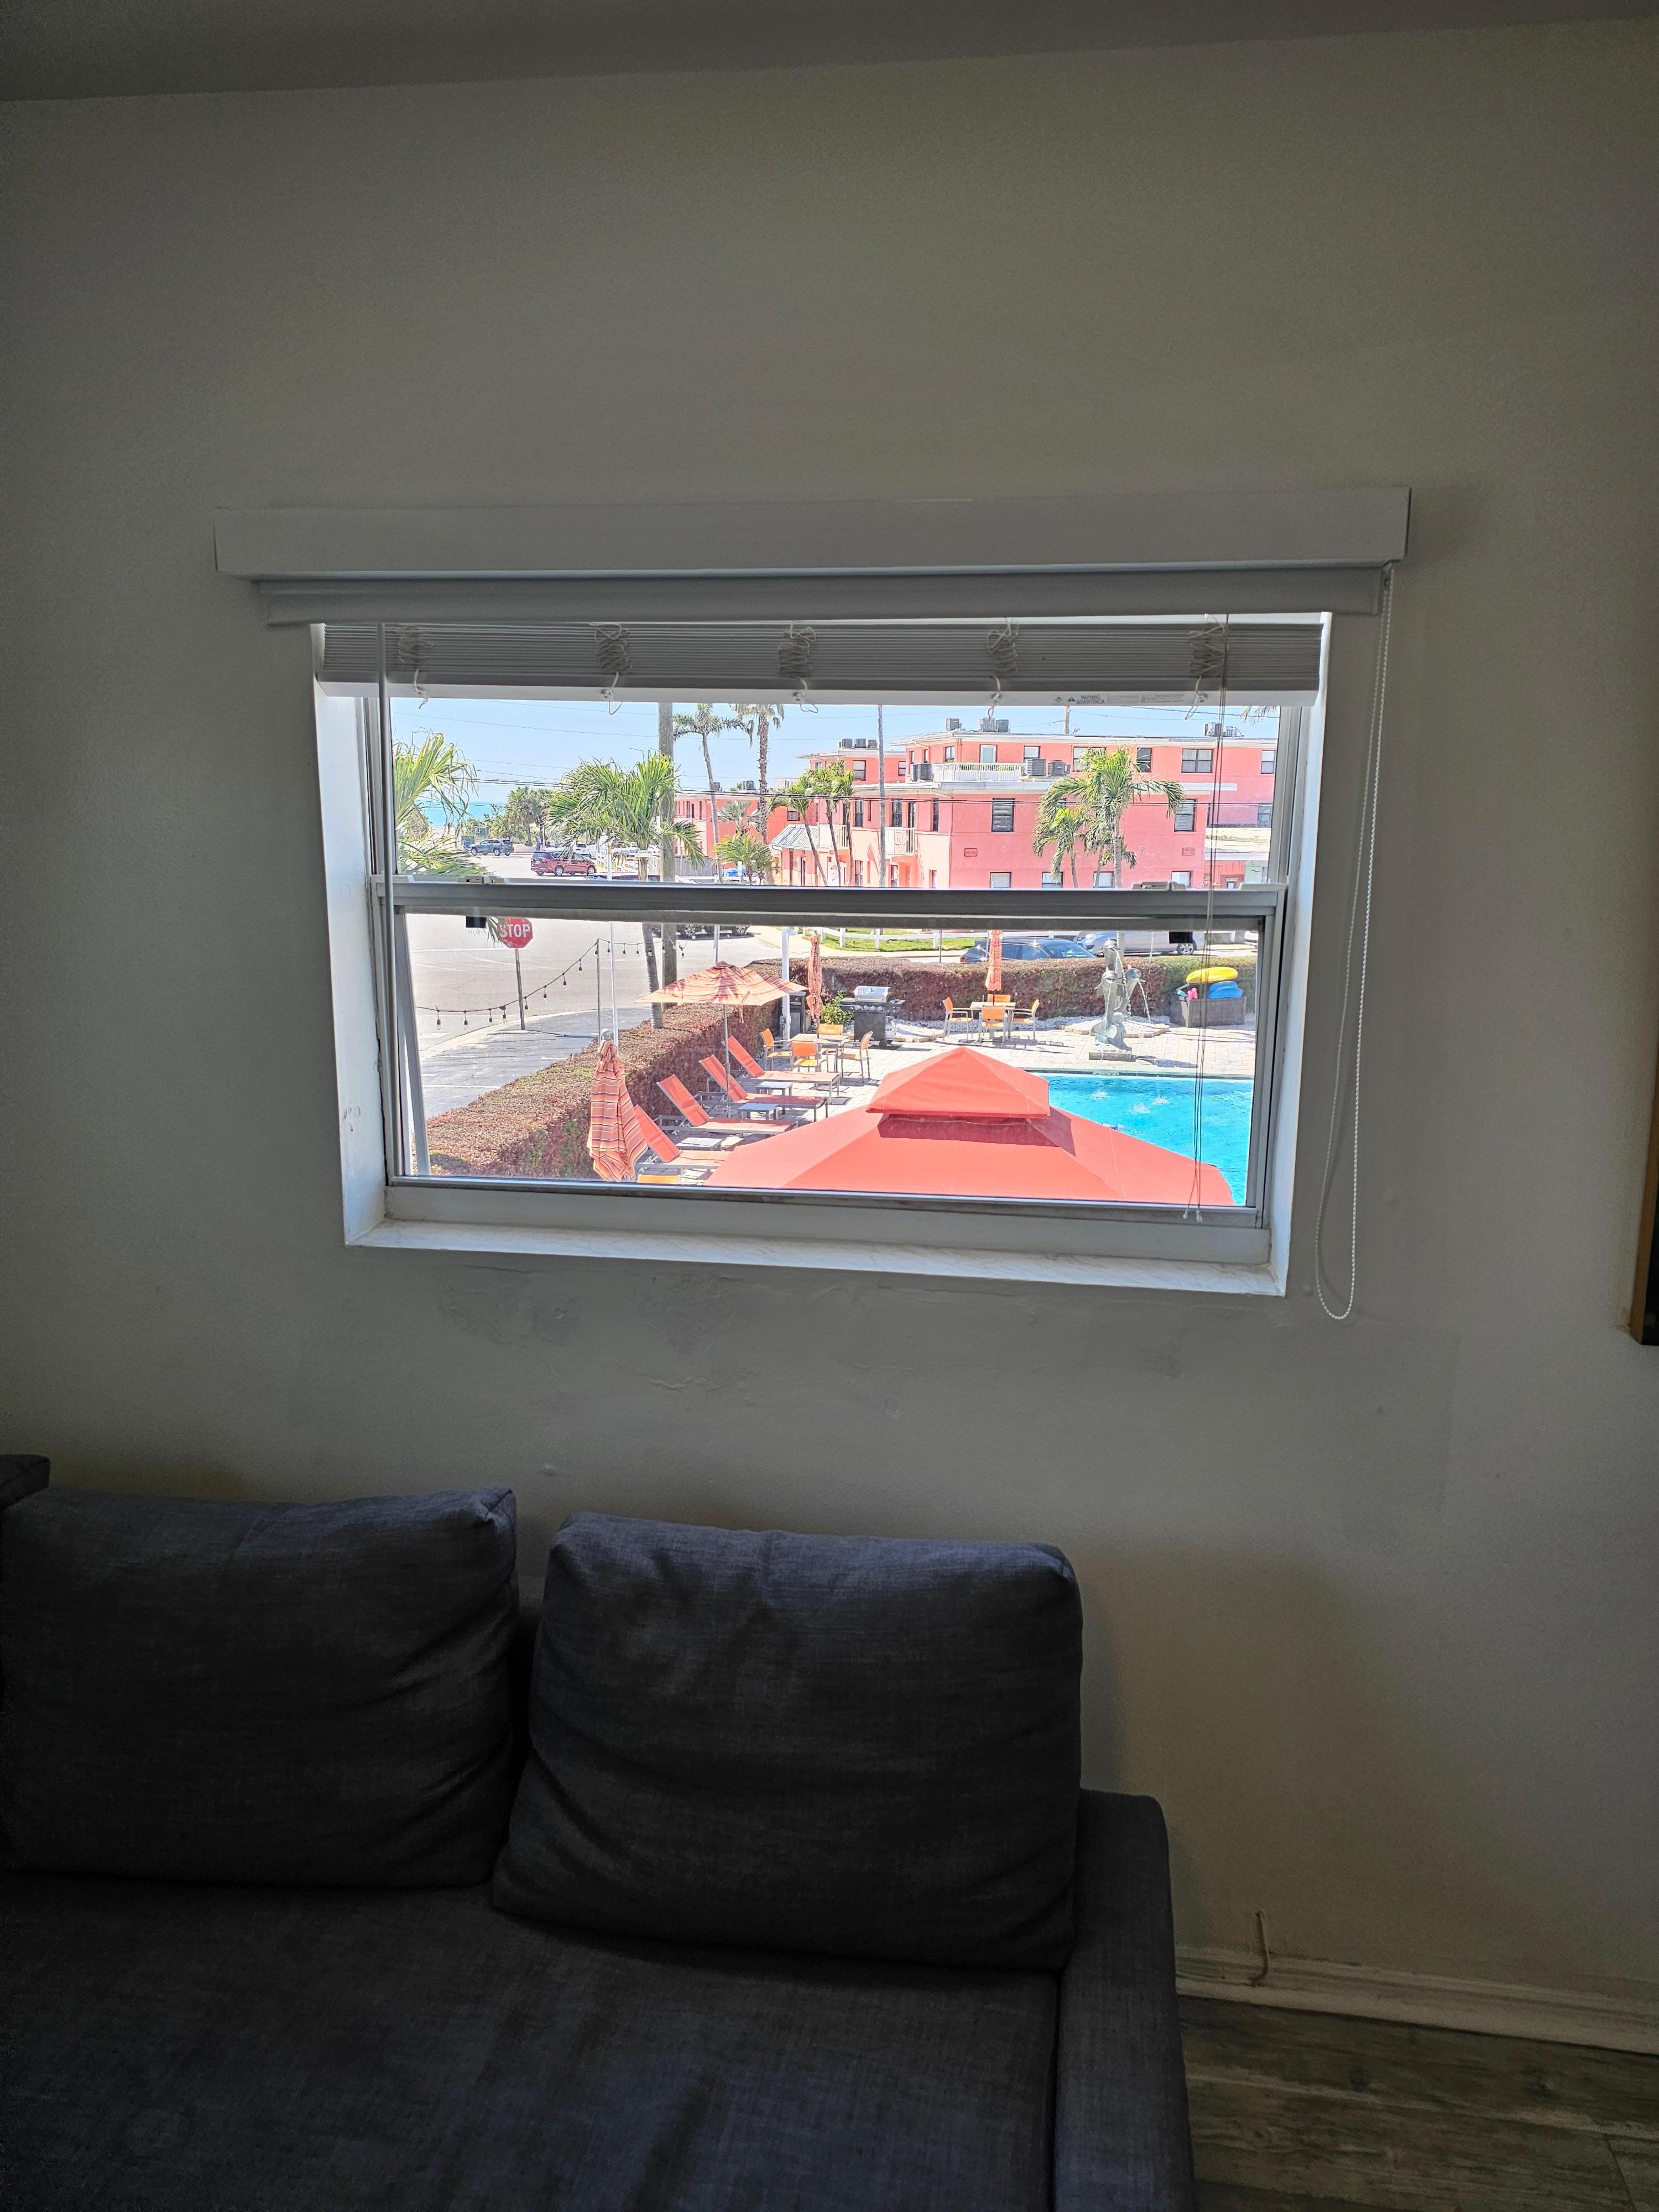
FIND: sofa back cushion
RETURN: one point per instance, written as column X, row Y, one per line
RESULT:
column 866, row 1747
column 256, row 1693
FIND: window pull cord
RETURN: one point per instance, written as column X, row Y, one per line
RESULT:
column 795, row 650
column 614, row 652
column 1359, row 927
column 1002, row 650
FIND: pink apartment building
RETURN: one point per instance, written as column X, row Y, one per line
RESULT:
column 959, row 809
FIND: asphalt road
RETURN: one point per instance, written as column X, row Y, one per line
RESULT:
column 576, row 977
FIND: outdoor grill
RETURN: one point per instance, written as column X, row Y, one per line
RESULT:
column 869, row 1013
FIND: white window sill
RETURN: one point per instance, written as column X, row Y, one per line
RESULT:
column 424, row 1220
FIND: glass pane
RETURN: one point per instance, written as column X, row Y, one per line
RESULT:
column 1048, row 799
column 1090, row 1068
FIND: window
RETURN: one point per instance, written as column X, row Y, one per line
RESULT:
column 949, row 753
column 1184, row 820
column 1143, row 759
column 1264, row 814
column 480, row 980
column 1267, row 760
column 1197, row 760
column 860, row 771
column 987, row 755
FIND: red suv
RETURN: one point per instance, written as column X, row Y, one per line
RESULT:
column 549, row 860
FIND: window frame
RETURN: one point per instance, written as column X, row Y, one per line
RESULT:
column 1237, row 1249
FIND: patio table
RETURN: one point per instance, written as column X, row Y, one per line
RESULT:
column 1002, row 1007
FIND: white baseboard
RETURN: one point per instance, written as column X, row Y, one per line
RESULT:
column 1611, row 2023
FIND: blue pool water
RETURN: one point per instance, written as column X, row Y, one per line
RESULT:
column 1159, row 1108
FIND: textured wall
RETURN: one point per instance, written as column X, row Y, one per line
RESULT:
column 1370, row 1608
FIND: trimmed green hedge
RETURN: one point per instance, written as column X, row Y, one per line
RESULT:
column 537, row 1125
column 1062, row 987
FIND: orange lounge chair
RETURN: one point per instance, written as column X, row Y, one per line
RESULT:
column 796, row 1105
column 752, row 1068
column 698, row 1118
column 674, row 1164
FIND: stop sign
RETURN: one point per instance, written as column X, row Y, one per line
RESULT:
column 516, row 932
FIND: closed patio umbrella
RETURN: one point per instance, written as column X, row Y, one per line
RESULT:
column 616, row 1141
column 815, row 977
column 993, row 965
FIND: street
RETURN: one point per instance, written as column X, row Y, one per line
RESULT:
column 577, row 977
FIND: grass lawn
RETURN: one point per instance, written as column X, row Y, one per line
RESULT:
column 892, row 940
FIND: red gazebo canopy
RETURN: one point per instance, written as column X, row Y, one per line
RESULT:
column 964, row 1125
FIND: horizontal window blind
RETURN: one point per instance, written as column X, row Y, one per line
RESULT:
column 780, row 661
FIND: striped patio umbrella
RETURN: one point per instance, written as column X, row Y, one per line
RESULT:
column 815, row 977
column 993, row 965
column 723, row 985
column 615, row 1142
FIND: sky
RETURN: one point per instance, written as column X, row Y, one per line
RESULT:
column 514, row 741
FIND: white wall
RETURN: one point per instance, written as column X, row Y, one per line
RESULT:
column 1371, row 1608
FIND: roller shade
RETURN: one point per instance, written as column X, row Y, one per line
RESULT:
column 888, row 660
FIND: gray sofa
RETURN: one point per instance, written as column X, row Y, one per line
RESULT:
column 397, row 2039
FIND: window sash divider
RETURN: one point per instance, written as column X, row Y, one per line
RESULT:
column 809, row 906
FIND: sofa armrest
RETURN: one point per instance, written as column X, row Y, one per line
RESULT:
column 1120, row 2137
column 20, row 1474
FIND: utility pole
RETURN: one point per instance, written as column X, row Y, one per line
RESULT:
column 881, row 803
column 671, row 958
column 881, row 793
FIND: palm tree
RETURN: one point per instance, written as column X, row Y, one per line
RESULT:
column 704, row 723
column 1087, row 808
column 753, row 856
column 758, row 718
column 832, row 782
column 524, row 813
column 428, row 771
column 629, row 810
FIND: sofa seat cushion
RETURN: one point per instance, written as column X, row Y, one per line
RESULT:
column 180, row 2048
column 203, row 1692
column 865, row 1746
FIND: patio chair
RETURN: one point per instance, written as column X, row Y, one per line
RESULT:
column 698, row 1118
column 752, row 1068
column 672, row 1163
column 954, row 1013
column 993, row 1023
column 858, row 1048
column 776, row 1052
column 793, row 1105
column 1028, row 1015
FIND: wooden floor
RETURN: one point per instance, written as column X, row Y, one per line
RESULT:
column 1297, row 2112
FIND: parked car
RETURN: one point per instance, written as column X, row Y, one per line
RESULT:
column 556, row 861
column 503, row 846
column 706, row 929
column 1025, row 948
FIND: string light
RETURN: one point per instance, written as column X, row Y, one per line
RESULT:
column 504, row 1006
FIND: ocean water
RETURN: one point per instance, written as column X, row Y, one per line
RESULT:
column 1159, row 1108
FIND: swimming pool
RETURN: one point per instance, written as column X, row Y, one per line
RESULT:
column 1159, row 1108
